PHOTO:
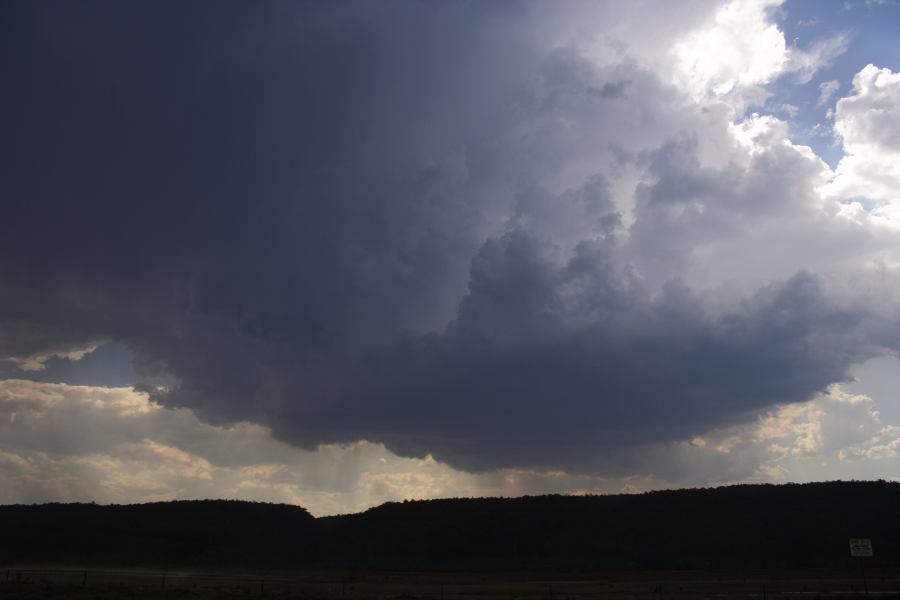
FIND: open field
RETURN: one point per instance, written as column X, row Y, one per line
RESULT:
column 48, row 583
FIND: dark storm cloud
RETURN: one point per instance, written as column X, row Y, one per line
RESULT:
column 330, row 218
column 533, row 373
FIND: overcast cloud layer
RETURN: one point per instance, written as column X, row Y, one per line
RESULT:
column 535, row 237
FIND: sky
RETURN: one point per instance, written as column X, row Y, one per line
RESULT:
column 343, row 253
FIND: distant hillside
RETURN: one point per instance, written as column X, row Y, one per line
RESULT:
column 208, row 533
column 745, row 526
column 738, row 526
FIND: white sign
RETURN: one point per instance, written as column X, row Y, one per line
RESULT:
column 860, row 547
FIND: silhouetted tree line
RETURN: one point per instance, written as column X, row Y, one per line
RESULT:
column 188, row 533
column 744, row 526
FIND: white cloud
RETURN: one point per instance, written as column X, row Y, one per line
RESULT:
column 735, row 56
column 806, row 63
column 739, row 51
column 38, row 362
column 868, row 123
column 827, row 89
column 837, row 435
column 791, row 110
column 80, row 443
column 870, row 118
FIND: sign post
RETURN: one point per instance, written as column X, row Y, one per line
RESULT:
column 860, row 547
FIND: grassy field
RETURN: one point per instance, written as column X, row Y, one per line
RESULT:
column 86, row 584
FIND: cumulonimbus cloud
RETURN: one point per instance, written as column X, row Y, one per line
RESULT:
column 453, row 229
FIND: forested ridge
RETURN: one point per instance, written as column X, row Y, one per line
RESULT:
column 743, row 526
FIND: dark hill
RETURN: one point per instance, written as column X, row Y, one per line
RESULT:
column 745, row 526
column 739, row 526
column 208, row 532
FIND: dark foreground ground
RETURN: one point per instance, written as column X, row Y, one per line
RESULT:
column 84, row 584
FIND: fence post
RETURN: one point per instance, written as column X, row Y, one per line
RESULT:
column 164, row 582
column 442, row 591
column 84, row 579
column 262, row 586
